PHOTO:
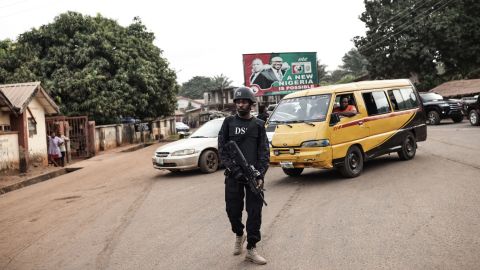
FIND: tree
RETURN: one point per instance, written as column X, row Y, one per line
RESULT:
column 196, row 86
column 410, row 38
column 354, row 63
column 322, row 73
column 93, row 66
column 221, row 82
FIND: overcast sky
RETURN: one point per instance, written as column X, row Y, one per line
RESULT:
column 208, row 37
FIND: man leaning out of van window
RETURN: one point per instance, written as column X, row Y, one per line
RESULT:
column 345, row 109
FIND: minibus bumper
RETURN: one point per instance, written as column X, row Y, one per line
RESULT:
column 315, row 157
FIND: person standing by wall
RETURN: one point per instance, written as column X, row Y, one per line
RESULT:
column 63, row 148
column 54, row 152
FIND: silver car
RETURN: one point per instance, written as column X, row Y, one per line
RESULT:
column 197, row 151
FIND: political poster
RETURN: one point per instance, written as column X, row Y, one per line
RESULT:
column 280, row 73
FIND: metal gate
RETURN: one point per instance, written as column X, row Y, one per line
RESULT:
column 76, row 129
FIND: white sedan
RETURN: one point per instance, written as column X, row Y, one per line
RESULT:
column 200, row 150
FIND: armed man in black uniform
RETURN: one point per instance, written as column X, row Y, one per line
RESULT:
column 250, row 135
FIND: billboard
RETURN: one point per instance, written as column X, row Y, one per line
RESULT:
column 280, row 73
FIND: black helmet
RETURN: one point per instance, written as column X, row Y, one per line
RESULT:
column 244, row 93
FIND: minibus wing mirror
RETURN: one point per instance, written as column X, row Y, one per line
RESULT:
column 334, row 119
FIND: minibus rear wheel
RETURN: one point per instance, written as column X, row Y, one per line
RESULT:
column 292, row 171
column 353, row 162
column 409, row 147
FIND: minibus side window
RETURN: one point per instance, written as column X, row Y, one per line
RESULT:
column 409, row 97
column 396, row 98
column 403, row 99
column 376, row 102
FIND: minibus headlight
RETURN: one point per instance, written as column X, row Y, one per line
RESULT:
column 316, row 143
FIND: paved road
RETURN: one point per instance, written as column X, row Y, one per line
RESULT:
column 119, row 213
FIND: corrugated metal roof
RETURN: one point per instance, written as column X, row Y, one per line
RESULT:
column 20, row 95
column 4, row 102
column 458, row 88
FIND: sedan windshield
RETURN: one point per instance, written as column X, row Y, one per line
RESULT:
column 301, row 109
column 208, row 130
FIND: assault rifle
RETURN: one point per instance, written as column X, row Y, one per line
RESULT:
column 249, row 172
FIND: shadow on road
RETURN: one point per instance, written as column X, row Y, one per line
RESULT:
column 333, row 176
column 180, row 174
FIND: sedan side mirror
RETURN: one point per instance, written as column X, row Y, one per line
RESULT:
column 334, row 119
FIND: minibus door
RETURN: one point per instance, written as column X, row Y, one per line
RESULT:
column 346, row 132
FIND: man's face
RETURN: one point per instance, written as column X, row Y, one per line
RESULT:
column 277, row 65
column 243, row 106
column 344, row 103
column 257, row 65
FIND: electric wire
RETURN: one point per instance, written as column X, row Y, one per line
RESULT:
column 400, row 30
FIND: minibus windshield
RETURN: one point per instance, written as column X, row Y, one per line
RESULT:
column 301, row 109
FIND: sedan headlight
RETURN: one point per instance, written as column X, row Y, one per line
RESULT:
column 183, row 152
column 316, row 143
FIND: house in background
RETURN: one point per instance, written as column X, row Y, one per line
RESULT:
column 220, row 99
column 23, row 137
column 184, row 103
column 459, row 88
column 188, row 111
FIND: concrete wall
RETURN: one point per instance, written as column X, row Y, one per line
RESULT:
column 108, row 137
column 111, row 136
column 37, row 143
column 9, row 157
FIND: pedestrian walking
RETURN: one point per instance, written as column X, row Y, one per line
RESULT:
column 250, row 135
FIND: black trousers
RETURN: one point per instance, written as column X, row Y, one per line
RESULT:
column 234, row 195
column 63, row 158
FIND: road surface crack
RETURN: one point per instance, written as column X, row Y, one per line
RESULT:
column 103, row 258
column 283, row 212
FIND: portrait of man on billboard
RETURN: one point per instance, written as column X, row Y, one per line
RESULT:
column 257, row 77
column 276, row 70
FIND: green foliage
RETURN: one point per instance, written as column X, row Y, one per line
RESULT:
column 354, row 63
column 221, row 82
column 93, row 66
column 410, row 38
column 322, row 72
column 196, row 86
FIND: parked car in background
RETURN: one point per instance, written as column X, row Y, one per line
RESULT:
column 466, row 102
column 473, row 112
column 129, row 120
column 200, row 150
column 270, row 129
column 438, row 108
column 271, row 108
column 181, row 127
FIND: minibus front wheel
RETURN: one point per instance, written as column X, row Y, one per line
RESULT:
column 353, row 162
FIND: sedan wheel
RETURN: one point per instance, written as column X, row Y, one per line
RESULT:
column 208, row 161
